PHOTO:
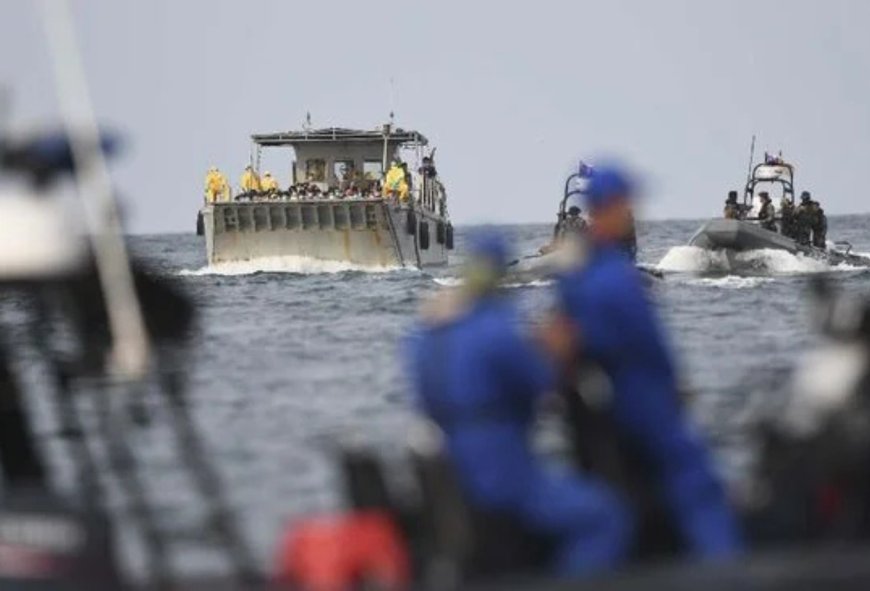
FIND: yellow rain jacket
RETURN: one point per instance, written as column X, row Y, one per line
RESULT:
column 213, row 185
column 224, row 186
column 250, row 181
column 394, row 183
column 269, row 183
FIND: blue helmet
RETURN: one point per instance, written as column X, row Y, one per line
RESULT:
column 606, row 183
column 491, row 246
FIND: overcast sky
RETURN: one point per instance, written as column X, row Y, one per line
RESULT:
column 511, row 93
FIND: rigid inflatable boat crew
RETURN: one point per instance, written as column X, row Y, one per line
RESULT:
column 480, row 378
column 732, row 210
column 804, row 219
column 820, row 227
column 606, row 318
column 573, row 224
column 787, row 217
column 767, row 213
column 250, row 182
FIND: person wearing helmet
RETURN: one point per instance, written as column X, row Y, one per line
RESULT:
column 732, row 209
column 767, row 213
column 820, row 226
column 787, row 217
column 573, row 224
column 804, row 219
column 479, row 378
column 605, row 318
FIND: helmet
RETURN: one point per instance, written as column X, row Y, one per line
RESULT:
column 486, row 264
column 573, row 210
column 805, row 196
column 607, row 183
column 489, row 245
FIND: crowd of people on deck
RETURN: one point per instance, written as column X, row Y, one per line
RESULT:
column 805, row 223
column 397, row 185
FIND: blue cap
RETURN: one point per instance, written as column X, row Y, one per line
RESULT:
column 606, row 184
column 489, row 245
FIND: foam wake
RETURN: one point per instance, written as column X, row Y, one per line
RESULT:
column 286, row 264
column 691, row 259
column 457, row 281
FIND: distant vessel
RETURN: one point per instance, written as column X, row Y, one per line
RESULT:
column 744, row 232
column 336, row 208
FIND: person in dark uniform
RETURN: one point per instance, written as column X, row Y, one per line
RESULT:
column 804, row 220
column 787, row 217
column 820, row 226
column 767, row 213
column 573, row 224
column 732, row 210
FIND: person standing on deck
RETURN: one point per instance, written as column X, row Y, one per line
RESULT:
column 250, row 182
column 787, row 217
column 732, row 210
column 767, row 213
column 804, row 220
column 395, row 184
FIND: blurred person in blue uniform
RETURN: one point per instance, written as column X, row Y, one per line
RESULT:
column 479, row 378
column 605, row 318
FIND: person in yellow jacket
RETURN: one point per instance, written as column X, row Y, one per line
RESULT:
column 250, row 182
column 269, row 184
column 395, row 183
column 216, row 187
column 222, row 185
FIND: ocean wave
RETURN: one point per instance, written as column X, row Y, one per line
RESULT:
column 287, row 264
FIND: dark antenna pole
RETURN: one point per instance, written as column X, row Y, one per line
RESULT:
column 751, row 158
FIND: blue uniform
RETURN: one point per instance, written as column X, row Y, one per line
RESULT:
column 618, row 329
column 479, row 379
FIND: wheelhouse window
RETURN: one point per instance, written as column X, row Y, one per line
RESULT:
column 343, row 170
column 373, row 170
column 315, row 170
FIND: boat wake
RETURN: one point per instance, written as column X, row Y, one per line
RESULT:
column 287, row 264
column 457, row 281
column 691, row 259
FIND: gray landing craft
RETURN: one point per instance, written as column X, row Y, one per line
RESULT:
column 741, row 230
column 345, row 203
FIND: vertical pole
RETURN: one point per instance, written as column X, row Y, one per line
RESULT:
column 130, row 353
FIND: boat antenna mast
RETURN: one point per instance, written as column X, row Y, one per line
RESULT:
column 751, row 158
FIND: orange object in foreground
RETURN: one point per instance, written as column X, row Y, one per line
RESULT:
column 338, row 553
